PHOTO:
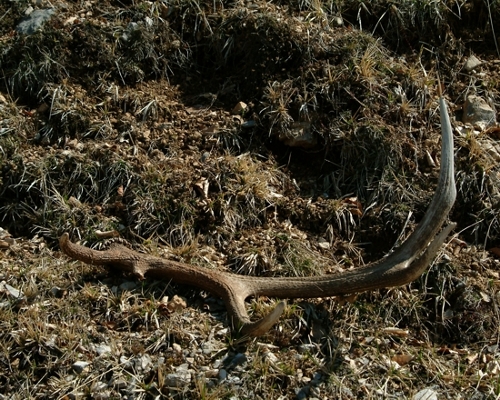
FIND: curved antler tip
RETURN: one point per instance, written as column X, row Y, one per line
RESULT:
column 64, row 239
column 260, row 327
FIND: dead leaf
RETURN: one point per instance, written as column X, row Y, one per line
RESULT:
column 74, row 202
column 202, row 187
column 402, row 359
column 354, row 205
column 486, row 298
column 177, row 304
column 471, row 358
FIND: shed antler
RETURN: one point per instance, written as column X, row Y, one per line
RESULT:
column 402, row 266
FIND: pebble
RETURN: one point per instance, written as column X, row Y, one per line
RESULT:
column 426, row 394
column 307, row 348
column 249, row 124
column 478, row 112
column 98, row 386
column 80, row 366
column 12, row 291
column 239, row 359
column 303, row 393
column 144, row 363
column 102, row 349
column 120, row 384
column 471, row 63
column 178, row 379
column 208, row 348
column 177, row 347
column 337, row 21
column 101, row 395
column 212, row 373
column 239, row 108
column 222, row 375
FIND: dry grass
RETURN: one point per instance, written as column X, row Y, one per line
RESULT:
column 132, row 132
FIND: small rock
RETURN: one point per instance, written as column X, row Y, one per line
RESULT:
column 144, row 363
column 126, row 363
column 34, row 21
column 80, row 366
column 222, row 375
column 212, row 373
column 324, row 245
column 303, row 393
column 127, row 286
column 102, row 349
column 233, row 380
column 240, row 108
column 120, row 384
column 178, row 379
column 74, row 202
column 6, row 240
column 337, row 22
column 11, row 291
column 98, row 386
column 239, row 359
column 492, row 148
column 177, row 347
column 209, row 348
column 307, row 348
column 58, row 292
column 478, row 112
column 426, row 394
column 101, row 395
column 4, row 233
column 471, row 63
column 249, row 124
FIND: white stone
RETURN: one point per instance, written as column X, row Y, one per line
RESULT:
column 80, row 366
column 239, row 108
column 478, row 112
column 471, row 63
column 426, row 394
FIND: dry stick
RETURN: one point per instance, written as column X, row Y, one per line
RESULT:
column 404, row 265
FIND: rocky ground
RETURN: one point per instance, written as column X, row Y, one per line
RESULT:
column 262, row 138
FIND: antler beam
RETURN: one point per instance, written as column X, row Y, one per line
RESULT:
column 401, row 267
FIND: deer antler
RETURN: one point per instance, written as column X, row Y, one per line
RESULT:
column 402, row 266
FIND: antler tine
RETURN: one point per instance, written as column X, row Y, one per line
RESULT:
column 228, row 286
column 404, row 265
